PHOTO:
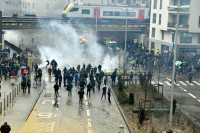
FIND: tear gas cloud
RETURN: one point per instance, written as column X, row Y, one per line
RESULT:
column 65, row 47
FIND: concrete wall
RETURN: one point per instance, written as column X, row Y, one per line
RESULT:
column 194, row 16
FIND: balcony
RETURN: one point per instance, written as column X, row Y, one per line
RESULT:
column 172, row 26
column 183, row 10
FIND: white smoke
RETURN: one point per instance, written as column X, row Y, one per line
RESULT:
column 64, row 46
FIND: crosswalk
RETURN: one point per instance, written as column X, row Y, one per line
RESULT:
column 167, row 82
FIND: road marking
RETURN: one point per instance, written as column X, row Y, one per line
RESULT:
column 183, row 89
column 198, row 100
column 168, row 79
column 44, row 115
column 196, row 83
column 52, row 101
column 152, row 82
column 55, row 115
column 167, row 82
column 88, row 112
column 89, row 122
column 85, row 97
column 192, row 95
column 189, row 83
column 176, row 84
column 183, row 83
column 52, row 126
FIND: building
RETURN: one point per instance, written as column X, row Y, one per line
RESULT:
column 163, row 27
column 10, row 7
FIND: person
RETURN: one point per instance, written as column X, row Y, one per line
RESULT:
column 105, row 80
column 36, row 67
column 40, row 74
column 89, row 87
column 113, row 77
column 49, row 71
column 99, row 82
column 104, row 92
column 5, row 128
column 99, row 68
column 56, row 88
column 109, row 94
column 190, row 75
column 29, row 86
column 149, row 77
column 23, row 85
column 81, row 94
column 76, row 78
column 60, row 80
column 131, row 78
column 47, row 63
column 69, row 88
column 35, row 80
column 133, row 63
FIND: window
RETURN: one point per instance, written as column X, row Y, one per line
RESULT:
column 155, row 4
column 74, row 9
column 33, row 5
column 153, row 32
column 199, row 21
column 199, row 38
column 85, row 11
column 152, row 45
column 107, row 13
column 131, row 14
column 154, row 18
column 47, row 6
column 163, row 34
column 186, row 37
column 173, row 36
column 160, row 18
column 117, row 13
column 160, row 4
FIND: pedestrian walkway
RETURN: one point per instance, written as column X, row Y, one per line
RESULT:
column 17, row 114
column 68, row 116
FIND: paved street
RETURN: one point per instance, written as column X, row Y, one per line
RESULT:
column 187, row 94
column 67, row 116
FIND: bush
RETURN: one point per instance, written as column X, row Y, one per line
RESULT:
column 131, row 98
column 122, row 97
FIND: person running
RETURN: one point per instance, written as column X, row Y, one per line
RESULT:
column 81, row 94
column 56, row 88
column 5, row 128
column 104, row 92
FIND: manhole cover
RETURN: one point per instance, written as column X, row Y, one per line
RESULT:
column 47, row 95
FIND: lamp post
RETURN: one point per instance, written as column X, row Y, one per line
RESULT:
column 124, row 65
column 96, row 18
column 171, row 8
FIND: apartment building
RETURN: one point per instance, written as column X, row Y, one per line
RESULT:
column 10, row 7
column 163, row 27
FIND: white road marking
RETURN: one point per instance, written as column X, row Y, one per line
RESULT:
column 44, row 115
column 196, row 83
column 52, row 101
column 167, row 82
column 198, row 100
column 184, row 84
column 85, row 97
column 174, row 82
column 52, row 126
column 183, row 89
column 88, row 112
column 189, row 83
column 152, row 82
column 89, row 122
column 168, row 79
column 192, row 95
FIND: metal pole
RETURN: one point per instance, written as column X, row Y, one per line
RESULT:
column 96, row 20
column 125, row 41
column 1, row 43
column 173, row 72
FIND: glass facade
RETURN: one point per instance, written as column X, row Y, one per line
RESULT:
column 185, row 37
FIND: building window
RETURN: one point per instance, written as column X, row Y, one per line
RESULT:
column 160, row 18
column 107, row 13
column 160, row 4
column 47, row 6
column 186, row 37
column 153, row 32
column 199, row 21
column 199, row 38
column 74, row 9
column 173, row 36
column 154, row 18
column 163, row 34
column 155, row 4
column 85, row 11
column 152, row 45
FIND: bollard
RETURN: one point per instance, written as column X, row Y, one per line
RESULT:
column 1, row 107
column 15, row 92
column 7, row 100
column 4, row 103
column 19, row 87
column 10, row 96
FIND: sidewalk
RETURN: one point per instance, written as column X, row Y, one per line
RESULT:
column 17, row 114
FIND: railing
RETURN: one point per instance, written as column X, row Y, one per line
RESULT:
column 173, row 25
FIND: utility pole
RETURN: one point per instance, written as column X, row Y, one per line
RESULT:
column 1, row 43
column 124, row 65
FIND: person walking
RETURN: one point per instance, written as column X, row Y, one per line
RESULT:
column 109, row 94
column 35, row 80
column 89, row 88
column 49, row 71
column 29, row 86
column 69, row 88
column 190, row 75
column 5, row 128
column 104, row 92
column 81, row 94
column 56, row 88
column 23, row 85
column 131, row 78
column 133, row 63
column 99, row 83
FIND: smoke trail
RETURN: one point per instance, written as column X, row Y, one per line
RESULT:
column 65, row 47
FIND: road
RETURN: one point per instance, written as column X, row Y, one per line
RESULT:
column 68, row 116
column 187, row 94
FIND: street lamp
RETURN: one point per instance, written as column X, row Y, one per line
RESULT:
column 174, row 8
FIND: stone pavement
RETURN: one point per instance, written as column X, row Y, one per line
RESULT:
column 68, row 116
column 17, row 112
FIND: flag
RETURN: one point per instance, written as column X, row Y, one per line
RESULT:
column 173, row 45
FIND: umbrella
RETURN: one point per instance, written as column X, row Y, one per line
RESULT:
column 23, row 67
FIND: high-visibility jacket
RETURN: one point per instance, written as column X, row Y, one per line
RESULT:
column 133, row 62
column 154, row 62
